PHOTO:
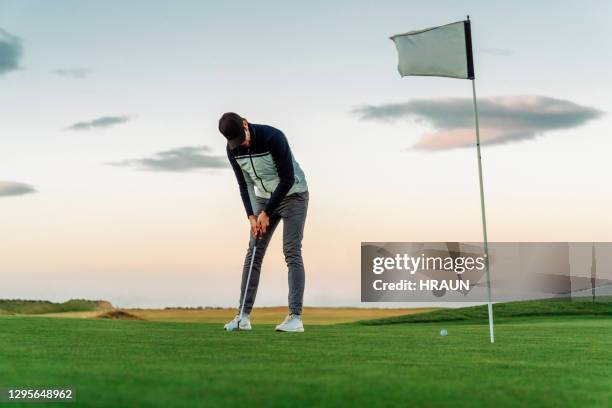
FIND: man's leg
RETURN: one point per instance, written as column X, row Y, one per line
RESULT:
column 262, row 245
column 293, row 212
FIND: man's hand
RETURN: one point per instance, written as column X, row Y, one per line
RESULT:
column 263, row 221
column 254, row 226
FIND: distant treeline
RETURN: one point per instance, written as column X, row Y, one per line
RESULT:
column 194, row 308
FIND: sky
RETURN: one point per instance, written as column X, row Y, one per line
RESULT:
column 113, row 179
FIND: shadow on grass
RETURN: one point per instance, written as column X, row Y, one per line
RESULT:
column 503, row 311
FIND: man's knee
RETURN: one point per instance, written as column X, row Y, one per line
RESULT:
column 260, row 244
column 293, row 253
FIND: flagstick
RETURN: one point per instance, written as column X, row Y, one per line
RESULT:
column 484, row 218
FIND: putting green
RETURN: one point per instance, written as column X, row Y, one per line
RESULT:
column 547, row 362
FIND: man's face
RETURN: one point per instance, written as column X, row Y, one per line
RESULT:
column 247, row 134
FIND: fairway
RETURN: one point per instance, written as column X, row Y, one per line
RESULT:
column 547, row 362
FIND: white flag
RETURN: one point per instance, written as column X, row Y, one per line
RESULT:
column 437, row 51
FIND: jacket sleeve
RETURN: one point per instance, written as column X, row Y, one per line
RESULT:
column 247, row 191
column 281, row 153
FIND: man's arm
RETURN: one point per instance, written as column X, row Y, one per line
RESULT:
column 281, row 153
column 244, row 183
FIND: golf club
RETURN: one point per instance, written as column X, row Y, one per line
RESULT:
column 246, row 287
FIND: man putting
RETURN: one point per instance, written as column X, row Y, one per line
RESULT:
column 272, row 187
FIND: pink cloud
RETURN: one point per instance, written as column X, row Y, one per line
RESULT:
column 503, row 119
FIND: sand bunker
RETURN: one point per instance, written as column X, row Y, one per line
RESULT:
column 118, row 314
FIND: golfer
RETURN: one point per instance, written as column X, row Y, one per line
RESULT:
column 273, row 187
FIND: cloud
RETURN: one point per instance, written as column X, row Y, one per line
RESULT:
column 13, row 188
column 11, row 51
column 99, row 123
column 76, row 73
column 181, row 159
column 502, row 119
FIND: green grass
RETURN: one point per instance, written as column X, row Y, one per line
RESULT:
column 537, row 362
column 503, row 311
column 18, row 306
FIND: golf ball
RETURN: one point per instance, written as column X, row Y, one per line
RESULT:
column 443, row 332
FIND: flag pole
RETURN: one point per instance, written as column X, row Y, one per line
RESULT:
column 484, row 218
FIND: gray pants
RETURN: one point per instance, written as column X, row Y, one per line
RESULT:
column 292, row 210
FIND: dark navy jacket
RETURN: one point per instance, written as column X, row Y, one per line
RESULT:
column 266, row 168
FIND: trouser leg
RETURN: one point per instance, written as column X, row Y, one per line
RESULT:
column 262, row 245
column 293, row 212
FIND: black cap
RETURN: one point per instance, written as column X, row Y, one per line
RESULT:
column 231, row 125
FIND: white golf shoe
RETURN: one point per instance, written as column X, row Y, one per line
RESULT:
column 245, row 323
column 292, row 323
